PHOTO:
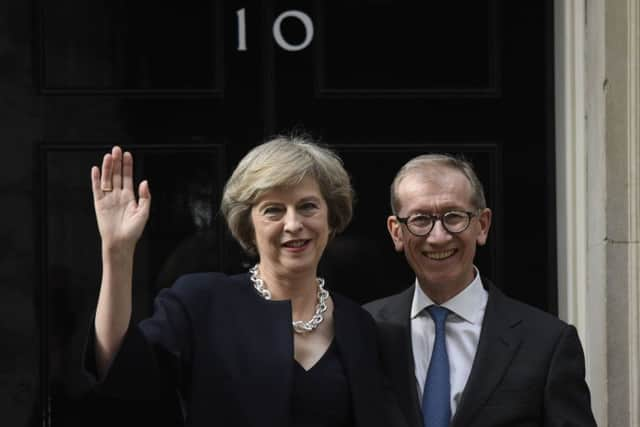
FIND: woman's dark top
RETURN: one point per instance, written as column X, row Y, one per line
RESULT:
column 321, row 395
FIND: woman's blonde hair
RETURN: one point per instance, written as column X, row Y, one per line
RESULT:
column 285, row 161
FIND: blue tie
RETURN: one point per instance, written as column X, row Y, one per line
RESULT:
column 436, row 406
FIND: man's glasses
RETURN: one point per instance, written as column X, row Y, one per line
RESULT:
column 452, row 221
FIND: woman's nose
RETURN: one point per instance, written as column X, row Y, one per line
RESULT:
column 292, row 222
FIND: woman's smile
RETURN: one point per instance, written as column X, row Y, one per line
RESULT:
column 297, row 245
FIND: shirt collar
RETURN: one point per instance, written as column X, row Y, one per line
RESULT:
column 468, row 304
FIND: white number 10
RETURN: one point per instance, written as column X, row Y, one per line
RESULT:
column 277, row 33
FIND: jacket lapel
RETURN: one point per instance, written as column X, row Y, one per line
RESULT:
column 355, row 344
column 499, row 341
column 395, row 335
column 264, row 357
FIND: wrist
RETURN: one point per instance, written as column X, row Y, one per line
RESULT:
column 117, row 253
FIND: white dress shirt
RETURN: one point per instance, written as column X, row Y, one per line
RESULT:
column 462, row 333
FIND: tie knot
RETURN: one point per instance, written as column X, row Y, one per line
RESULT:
column 438, row 314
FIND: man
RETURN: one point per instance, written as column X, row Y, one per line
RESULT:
column 456, row 350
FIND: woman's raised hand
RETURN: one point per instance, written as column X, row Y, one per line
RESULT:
column 121, row 218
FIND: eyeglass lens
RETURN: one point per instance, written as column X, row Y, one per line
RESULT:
column 453, row 222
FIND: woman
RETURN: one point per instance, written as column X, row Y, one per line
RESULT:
column 271, row 347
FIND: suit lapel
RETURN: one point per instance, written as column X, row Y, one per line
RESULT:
column 355, row 345
column 395, row 334
column 262, row 352
column 499, row 341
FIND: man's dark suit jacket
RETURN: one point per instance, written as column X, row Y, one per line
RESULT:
column 528, row 370
column 229, row 352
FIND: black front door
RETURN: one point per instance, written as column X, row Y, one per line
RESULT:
column 189, row 87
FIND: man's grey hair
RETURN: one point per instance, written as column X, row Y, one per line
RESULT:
column 423, row 162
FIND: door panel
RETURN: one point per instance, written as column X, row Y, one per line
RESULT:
column 127, row 48
column 182, row 236
column 421, row 50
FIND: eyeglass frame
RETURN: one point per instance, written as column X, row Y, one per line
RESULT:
column 438, row 217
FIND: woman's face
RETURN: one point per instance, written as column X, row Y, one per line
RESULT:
column 291, row 228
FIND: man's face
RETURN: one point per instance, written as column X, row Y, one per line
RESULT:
column 442, row 262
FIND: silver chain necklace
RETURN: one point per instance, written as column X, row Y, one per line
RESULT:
column 299, row 326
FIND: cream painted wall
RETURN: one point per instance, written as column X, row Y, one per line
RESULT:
column 598, row 186
column 622, row 37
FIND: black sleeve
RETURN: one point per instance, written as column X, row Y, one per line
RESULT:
column 566, row 397
column 153, row 356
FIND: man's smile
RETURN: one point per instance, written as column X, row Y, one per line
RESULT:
column 440, row 255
